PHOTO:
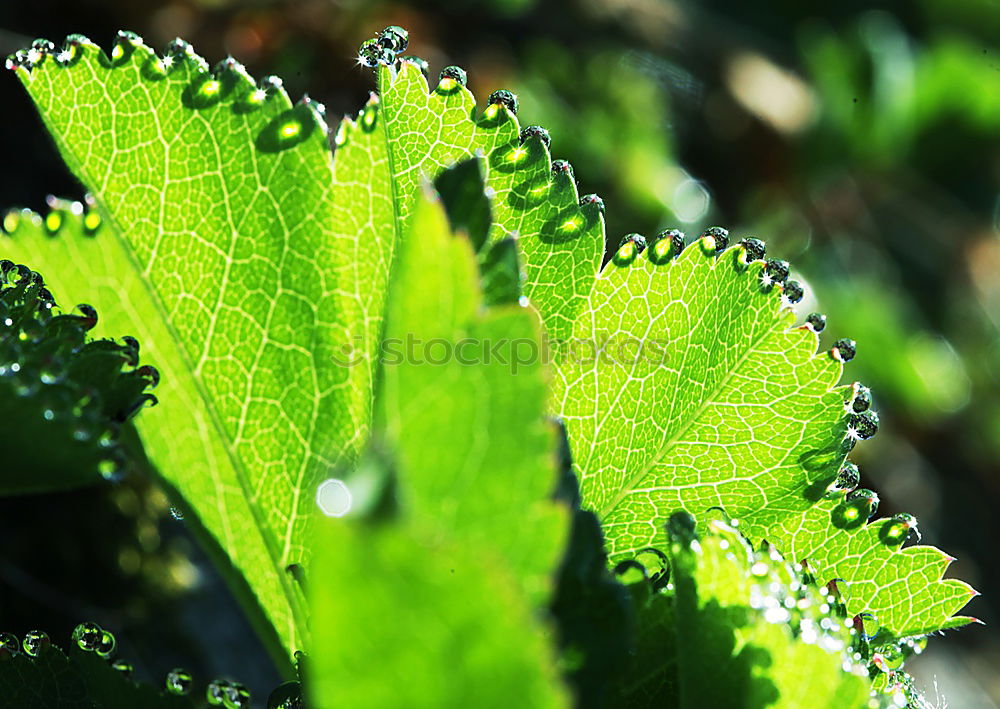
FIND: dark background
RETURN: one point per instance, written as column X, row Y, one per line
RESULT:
column 861, row 142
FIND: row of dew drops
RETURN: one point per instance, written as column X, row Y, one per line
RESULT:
column 210, row 87
column 669, row 244
column 90, row 637
column 859, row 505
column 290, row 129
column 207, row 88
column 788, row 594
column 386, row 49
column 29, row 327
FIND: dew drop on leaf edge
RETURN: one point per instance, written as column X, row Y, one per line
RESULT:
column 286, row 696
column 35, row 642
column 87, row 636
column 179, row 681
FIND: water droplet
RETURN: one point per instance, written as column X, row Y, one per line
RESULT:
column 669, row 243
column 394, row 38
column 179, row 681
column 501, row 97
column 110, row 470
column 215, row 692
column 35, row 642
column 151, row 373
column 536, row 132
column 130, row 348
column 235, row 696
column 862, row 398
column 88, row 636
column 792, row 292
column 681, row 528
column 755, row 249
column 369, row 117
column 451, row 79
column 816, row 321
column 631, row 246
column 630, row 571
column 177, row 49
column 340, row 137
column 715, row 238
column 44, row 46
column 123, row 666
column 88, row 315
column 899, row 529
column 862, row 426
column 205, row 91
column 11, row 221
column 69, row 54
column 36, row 54
column 20, row 275
column 866, row 625
column 9, row 646
column 334, row 498
column 866, row 499
column 421, row 64
column 843, row 350
column 123, row 49
column 91, row 222
column 53, row 221
column 286, row 696
column 106, row 646
column 371, row 54
column 847, row 479
column 562, row 168
column 592, row 200
column 775, row 271
column 888, row 658
column 659, row 562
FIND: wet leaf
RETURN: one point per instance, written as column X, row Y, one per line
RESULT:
column 694, row 388
column 465, row 547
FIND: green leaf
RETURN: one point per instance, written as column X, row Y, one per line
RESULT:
column 58, row 388
column 257, row 266
column 464, row 549
column 742, row 642
column 179, row 432
column 222, row 247
column 468, row 429
column 702, row 393
column 75, row 680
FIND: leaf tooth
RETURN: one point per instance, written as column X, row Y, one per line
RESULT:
column 128, row 48
column 317, row 110
column 345, row 129
column 421, row 65
column 274, row 92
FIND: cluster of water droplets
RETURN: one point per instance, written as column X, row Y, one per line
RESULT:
column 82, row 389
column 788, row 594
column 90, row 637
column 230, row 694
